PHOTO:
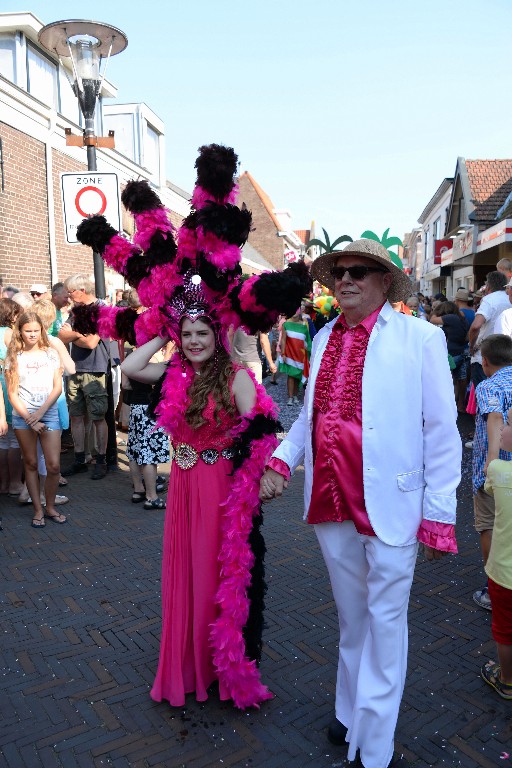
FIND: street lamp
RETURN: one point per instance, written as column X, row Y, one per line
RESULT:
column 86, row 43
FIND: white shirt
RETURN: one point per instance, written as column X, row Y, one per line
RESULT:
column 490, row 308
column 503, row 323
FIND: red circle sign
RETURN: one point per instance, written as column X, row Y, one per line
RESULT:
column 103, row 202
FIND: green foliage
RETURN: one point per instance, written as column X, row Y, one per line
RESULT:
column 387, row 242
column 327, row 246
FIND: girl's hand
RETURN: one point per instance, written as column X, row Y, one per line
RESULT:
column 38, row 427
column 33, row 418
column 3, row 427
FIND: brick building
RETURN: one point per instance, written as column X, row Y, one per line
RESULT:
column 272, row 235
column 36, row 107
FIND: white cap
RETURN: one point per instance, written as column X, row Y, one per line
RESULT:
column 38, row 288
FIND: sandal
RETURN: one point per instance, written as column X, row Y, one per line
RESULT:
column 490, row 672
column 38, row 522
column 55, row 519
column 138, row 496
column 157, row 503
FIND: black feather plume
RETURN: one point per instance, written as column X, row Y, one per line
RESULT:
column 284, row 290
column 85, row 318
column 96, row 232
column 228, row 222
column 125, row 325
column 216, row 167
column 138, row 196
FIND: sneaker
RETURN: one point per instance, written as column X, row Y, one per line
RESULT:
column 491, row 673
column 481, row 598
column 99, row 472
column 296, row 400
column 468, row 444
column 290, row 401
column 75, row 469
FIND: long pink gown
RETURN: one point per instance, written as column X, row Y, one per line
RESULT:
column 190, row 568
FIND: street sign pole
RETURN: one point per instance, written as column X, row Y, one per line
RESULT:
column 99, row 266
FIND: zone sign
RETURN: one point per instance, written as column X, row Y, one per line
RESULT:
column 89, row 194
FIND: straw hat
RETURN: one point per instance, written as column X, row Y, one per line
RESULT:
column 401, row 287
column 462, row 294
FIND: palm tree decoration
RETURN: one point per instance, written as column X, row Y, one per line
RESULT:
column 329, row 247
column 387, row 242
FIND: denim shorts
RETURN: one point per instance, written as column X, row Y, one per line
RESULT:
column 50, row 420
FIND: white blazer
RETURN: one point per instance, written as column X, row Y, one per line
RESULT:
column 411, row 446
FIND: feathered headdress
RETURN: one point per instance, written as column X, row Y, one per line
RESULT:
column 195, row 273
column 201, row 269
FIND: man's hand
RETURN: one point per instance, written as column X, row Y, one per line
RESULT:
column 273, row 367
column 432, row 554
column 272, row 485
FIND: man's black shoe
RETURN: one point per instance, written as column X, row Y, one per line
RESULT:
column 74, row 469
column 99, row 472
column 336, row 733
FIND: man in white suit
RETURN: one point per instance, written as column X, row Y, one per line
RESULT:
column 381, row 453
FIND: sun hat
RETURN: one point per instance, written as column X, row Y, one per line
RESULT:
column 401, row 287
column 38, row 288
column 462, row 294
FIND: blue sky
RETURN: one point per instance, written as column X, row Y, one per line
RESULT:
column 349, row 113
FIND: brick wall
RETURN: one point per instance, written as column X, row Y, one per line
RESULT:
column 264, row 237
column 24, row 244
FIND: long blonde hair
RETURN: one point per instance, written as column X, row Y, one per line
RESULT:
column 16, row 346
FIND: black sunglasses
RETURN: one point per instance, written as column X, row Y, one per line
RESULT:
column 35, row 293
column 358, row 272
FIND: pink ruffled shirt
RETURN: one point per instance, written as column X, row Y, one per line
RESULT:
column 338, row 492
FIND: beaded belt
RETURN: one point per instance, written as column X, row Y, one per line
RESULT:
column 186, row 456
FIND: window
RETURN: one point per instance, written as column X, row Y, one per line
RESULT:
column 436, row 229
column 68, row 102
column 152, row 151
column 42, row 77
column 425, row 244
column 124, row 127
column 8, row 57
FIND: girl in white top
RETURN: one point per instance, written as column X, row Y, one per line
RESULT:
column 33, row 375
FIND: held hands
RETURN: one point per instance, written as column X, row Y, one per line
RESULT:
column 272, row 485
column 38, row 427
column 432, row 554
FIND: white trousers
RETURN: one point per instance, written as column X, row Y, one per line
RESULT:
column 371, row 582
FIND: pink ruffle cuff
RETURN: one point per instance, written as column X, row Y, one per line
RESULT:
column 438, row 536
column 278, row 465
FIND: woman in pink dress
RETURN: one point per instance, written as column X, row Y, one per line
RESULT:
column 201, row 479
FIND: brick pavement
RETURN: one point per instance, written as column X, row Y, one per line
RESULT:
column 79, row 644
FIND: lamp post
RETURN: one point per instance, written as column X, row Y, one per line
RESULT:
column 86, row 43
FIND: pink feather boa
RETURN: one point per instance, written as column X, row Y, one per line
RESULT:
column 239, row 674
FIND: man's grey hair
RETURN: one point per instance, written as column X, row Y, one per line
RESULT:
column 80, row 282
